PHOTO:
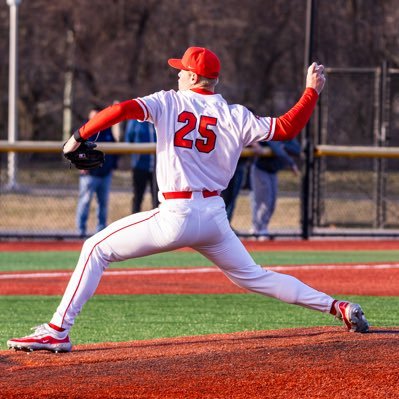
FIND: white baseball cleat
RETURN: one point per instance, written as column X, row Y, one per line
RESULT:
column 44, row 338
column 353, row 317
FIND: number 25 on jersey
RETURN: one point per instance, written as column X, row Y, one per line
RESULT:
column 207, row 142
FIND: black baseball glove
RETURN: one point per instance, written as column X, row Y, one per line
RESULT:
column 85, row 157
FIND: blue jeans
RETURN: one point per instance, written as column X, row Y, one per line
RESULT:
column 264, row 197
column 88, row 185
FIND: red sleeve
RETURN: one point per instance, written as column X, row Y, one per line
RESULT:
column 112, row 115
column 290, row 124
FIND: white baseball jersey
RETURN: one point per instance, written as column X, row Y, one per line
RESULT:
column 200, row 138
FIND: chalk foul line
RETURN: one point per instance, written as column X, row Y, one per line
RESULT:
column 199, row 270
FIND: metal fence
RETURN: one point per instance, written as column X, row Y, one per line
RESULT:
column 358, row 194
column 42, row 200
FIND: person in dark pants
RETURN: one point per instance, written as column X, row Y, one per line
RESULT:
column 232, row 191
column 230, row 194
column 143, row 165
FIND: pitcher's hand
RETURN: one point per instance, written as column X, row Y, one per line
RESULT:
column 315, row 77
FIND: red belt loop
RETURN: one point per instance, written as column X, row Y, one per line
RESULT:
column 207, row 193
column 188, row 194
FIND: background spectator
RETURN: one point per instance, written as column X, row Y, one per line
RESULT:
column 238, row 180
column 264, row 180
column 143, row 165
column 97, row 181
column 233, row 189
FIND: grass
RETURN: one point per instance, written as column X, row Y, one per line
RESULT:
column 135, row 317
column 119, row 318
column 56, row 260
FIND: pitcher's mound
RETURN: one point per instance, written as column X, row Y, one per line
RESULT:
column 325, row 362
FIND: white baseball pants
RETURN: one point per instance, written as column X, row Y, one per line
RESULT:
column 199, row 223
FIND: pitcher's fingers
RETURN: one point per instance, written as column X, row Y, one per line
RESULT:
column 312, row 67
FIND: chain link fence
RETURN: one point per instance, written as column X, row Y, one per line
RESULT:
column 43, row 201
column 358, row 107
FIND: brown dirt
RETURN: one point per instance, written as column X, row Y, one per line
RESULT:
column 296, row 363
column 368, row 282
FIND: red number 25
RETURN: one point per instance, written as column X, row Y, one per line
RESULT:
column 208, row 140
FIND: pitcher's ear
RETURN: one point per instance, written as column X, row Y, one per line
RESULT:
column 194, row 78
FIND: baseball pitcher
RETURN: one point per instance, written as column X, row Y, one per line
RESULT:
column 199, row 141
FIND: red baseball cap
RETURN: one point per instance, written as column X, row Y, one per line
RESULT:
column 199, row 60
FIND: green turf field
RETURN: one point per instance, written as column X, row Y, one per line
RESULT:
column 61, row 260
column 133, row 317
column 122, row 318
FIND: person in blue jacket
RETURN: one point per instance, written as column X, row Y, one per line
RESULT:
column 143, row 165
column 264, row 180
column 96, row 181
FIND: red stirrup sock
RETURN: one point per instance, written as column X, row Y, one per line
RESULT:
column 56, row 328
column 333, row 309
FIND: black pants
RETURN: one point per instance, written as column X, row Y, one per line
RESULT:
column 141, row 178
